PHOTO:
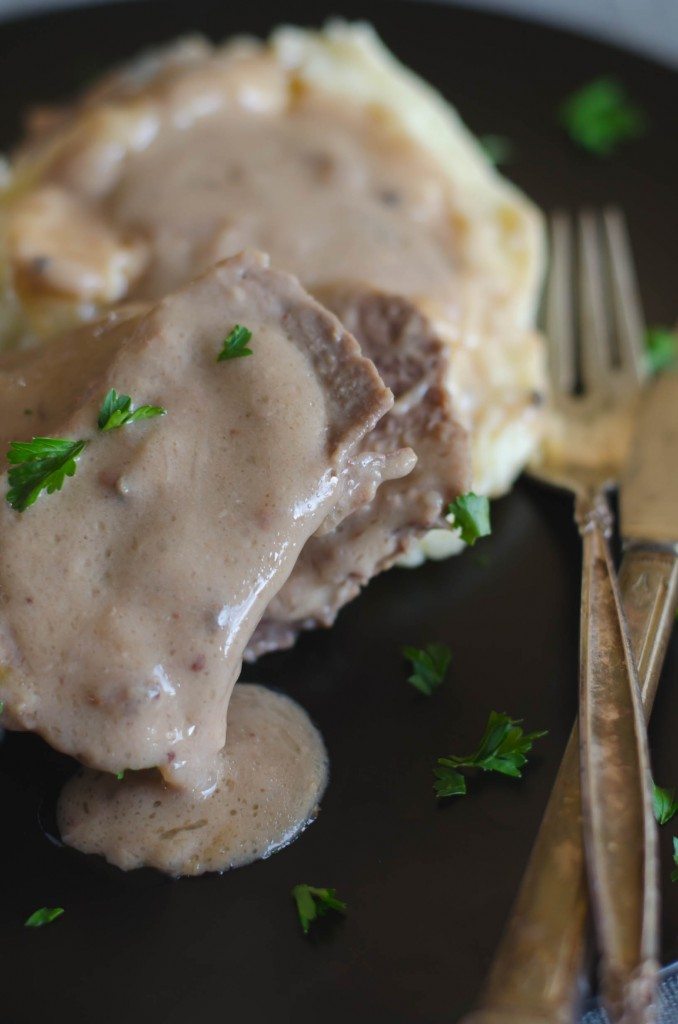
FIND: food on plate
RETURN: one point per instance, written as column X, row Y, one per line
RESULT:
column 503, row 748
column 273, row 772
column 336, row 563
column 317, row 148
column 206, row 455
column 129, row 596
column 429, row 666
column 313, row 902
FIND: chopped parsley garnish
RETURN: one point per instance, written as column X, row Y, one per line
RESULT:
column 498, row 149
column 600, row 116
column 39, row 465
column 661, row 345
column 471, row 514
column 674, row 873
column 235, row 345
column 45, row 915
column 120, row 775
column 2, row 706
column 429, row 666
column 502, row 749
column 313, row 903
column 116, row 411
column 664, row 803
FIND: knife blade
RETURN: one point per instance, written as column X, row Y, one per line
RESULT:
column 649, row 485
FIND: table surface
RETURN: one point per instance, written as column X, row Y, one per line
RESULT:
column 648, row 26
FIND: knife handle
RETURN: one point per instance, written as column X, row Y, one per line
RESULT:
column 648, row 580
column 535, row 976
column 620, row 833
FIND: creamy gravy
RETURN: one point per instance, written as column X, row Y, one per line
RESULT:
column 128, row 597
column 272, row 773
column 328, row 192
column 223, row 156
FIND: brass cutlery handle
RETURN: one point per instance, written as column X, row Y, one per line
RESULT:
column 620, row 834
column 535, row 975
column 540, row 955
column 648, row 581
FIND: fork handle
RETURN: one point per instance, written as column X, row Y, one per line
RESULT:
column 620, row 835
column 535, row 974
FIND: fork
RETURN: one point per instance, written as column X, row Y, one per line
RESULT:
column 532, row 977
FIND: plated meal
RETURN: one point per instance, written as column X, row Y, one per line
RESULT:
column 268, row 349
column 268, row 319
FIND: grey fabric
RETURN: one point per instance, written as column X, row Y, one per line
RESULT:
column 668, row 1001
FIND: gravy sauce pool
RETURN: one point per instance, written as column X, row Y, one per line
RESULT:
column 127, row 598
column 328, row 192
column 272, row 774
column 224, row 155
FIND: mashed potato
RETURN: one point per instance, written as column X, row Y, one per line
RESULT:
column 193, row 153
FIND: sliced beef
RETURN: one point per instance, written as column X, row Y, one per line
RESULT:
column 127, row 597
column 336, row 563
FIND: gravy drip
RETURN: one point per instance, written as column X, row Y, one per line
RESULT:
column 272, row 773
column 128, row 597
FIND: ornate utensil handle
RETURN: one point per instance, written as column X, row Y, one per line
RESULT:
column 535, row 975
column 620, row 834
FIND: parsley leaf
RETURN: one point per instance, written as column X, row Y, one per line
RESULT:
column 471, row 516
column 39, row 465
column 120, row 775
column 45, row 915
column 502, row 749
column 498, row 149
column 600, row 115
column 313, row 903
column 430, row 664
column 674, row 873
column 665, row 806
column 235, row 345
column 116, row 411
column 661, row 345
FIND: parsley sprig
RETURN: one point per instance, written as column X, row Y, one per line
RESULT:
column 116, row 411
column 39, row 465
column 313, row 903
column 429, row 665
column 43, row 463
column 235, row 344
column 664, row 803
column 661, row 348
column 498, row 149
column 502, row 749
column 471, row 513
column 600, row 116
column 45, row 915
column 674, row 873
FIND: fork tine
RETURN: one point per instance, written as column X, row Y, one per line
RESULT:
column 593, row 321
column 559, row 326
column 628, row 312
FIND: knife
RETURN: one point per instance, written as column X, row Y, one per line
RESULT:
column 536, row 976
column 649, row 526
